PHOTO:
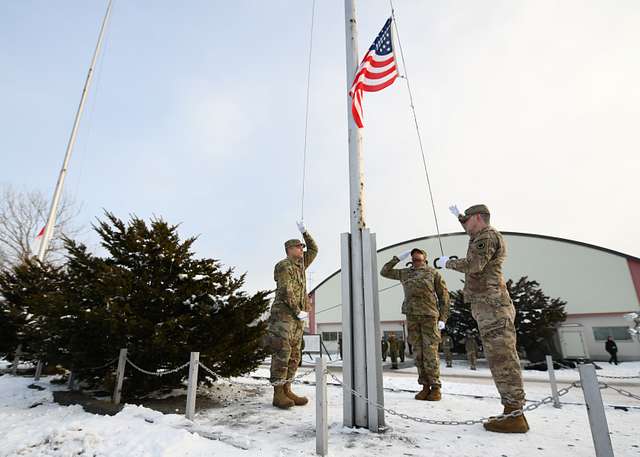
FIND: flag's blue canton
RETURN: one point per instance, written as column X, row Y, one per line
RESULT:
column 382, row 44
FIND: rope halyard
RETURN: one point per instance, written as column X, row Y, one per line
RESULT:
column 306, row 116
column 415, row 120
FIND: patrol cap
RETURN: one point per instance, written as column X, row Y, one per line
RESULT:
column 291, row 243
column 475, row 209
column 414, row 250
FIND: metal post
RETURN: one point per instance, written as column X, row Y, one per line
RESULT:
column 192, row 387
column 595, row 411
column 122, row 363
column 552, row 381
column 356, row 410
column 71, row 385
column 38, row 371
column 372, row 332
column 51, row 220
column 347, row 334
column 322, row 426
column 16, row 360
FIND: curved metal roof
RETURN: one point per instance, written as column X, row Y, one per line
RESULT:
column 526, row 235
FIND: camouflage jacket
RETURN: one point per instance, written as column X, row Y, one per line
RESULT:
column 470, row 344
column 291, row 287
column 483, row 279
column 425, row 292
column 447, row 343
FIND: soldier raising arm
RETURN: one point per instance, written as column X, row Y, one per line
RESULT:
column 426, row 305
column 289, row 310
column 486, row 292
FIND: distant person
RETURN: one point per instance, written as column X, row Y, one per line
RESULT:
column 385, row 349
column 401, row 349
column 471, row 346
column 612, row 348
column 393, row 351
column 447, row 347
column 340, row 346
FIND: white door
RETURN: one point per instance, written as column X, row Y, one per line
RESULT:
column 573, row 346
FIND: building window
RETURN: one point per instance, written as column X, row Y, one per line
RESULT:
column 618, row 333
column 329, row 336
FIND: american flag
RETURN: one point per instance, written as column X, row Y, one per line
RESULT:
column 377, row 70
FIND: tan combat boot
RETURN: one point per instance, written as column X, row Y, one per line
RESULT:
column 434, row 394
column 423, row 394
column 298, row 401
column 280, row 399
column 517, row 424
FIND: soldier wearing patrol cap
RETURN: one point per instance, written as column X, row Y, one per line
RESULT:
column 426, row 305
column 290, row 308
column 485, row 290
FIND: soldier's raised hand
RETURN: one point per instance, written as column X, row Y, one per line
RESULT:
column 404, row 255
column 301, row 227
column 454, row 210
column 440, row 262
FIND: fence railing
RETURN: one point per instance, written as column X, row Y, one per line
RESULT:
column 589, row 383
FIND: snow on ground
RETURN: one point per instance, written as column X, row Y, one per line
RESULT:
column 32, row 425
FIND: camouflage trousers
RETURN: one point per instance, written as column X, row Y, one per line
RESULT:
column 285, row 342
column 448, row 356
column 425, row 337
column 498, row 334
column 472, row 357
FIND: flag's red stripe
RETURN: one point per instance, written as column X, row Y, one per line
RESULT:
column 370, row 75
column 356, row 108
column 376, row 63
column 41, row 232
column 377, row 87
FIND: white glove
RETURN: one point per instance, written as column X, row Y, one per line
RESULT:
column 404, row 255
column 301, row 227
column 303, row 315
column 440, row 325
column 441, row 262
column 454, row 210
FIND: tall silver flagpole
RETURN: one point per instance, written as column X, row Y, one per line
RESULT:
column 362, row 369
column 51, row 220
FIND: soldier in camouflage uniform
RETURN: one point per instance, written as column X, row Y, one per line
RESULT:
column 447, row 347
column 393, row 351
column 471, row 346
column 486, row 292
column 426, row 305
column 288, row 312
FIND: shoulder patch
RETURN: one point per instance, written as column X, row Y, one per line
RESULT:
column 481, row 245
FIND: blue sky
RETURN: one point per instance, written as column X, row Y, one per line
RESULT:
column 197, row 115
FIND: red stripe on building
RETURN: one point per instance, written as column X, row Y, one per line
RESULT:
column 634, row 268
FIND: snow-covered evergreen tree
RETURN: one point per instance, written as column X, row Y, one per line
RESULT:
column 537, row 316
column 152, row 296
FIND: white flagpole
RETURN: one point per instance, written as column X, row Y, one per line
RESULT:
column 51, row 221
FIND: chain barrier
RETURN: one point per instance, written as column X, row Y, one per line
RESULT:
column 618, row 377
column 156, row 373
column 100, row 367
column 530, row 407
column 626, row 393
column 268, row 383
column 535, row 364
